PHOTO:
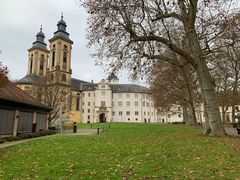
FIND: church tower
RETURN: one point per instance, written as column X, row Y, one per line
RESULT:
column 38, row 56
column 60, row 56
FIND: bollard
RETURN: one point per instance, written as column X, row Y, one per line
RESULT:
column 74, row 127
column 98, row 129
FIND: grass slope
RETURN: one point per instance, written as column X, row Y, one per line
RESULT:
column 134, row 151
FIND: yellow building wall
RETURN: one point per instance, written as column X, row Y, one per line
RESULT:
column 66, row 71
column 74, row 114
column 37, row 54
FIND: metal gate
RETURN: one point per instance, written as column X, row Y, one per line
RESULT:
column 25, row 121
column 41, row 121
column 6, row 121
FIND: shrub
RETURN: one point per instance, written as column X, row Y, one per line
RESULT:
column 2, row 140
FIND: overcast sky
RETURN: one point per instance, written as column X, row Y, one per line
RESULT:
column 20, row 21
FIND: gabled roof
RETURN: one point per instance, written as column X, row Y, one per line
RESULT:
column 30, row 79
column 12, row 93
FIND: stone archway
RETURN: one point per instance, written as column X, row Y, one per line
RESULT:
column 102, row 118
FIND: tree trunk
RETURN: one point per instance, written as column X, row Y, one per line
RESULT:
column 211, row 101
column 200, row 66
column 223, row 115
column 207, row 129
column 191, row 106
column 191, row 120
column 185, row 115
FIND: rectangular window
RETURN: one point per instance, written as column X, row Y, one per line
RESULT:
column 83, row 103
column 103, row 93
column 77, row 103
column 83, row 94
column 120, row 103
column 136, row 104
column 120, row 113
column 128, row 103
column 136, row 95
column 179, row 108
column 113, row 113
column 147, row 104
column 88, row 110
column 119, row 95
column 148, row 113
column 112, row 104
column 144, row 113
column 103, row 103
column 179, row 115
column 103, row 86
column 89, row 94
column 89, row 103
column 127, row 95
column 88, row 117
column 82, row 110
column 136, row 113
column 127, row 113
column 143, row 103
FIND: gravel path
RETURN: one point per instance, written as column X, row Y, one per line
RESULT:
column 66, row 132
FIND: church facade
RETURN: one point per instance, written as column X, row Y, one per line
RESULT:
column 87, row 102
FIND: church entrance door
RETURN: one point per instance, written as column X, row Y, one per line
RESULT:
column 102, row 118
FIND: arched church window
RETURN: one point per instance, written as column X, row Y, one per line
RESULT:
column 41, row 64
column 53, row 58
column 64, row 60
column 31, row 66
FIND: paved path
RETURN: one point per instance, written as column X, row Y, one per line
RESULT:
column 66, row 132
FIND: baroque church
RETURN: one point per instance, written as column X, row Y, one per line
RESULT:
column 87, row 102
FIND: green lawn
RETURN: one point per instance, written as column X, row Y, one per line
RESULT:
column 134, row 151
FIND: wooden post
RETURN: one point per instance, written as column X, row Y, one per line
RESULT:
column 46, row 121
column 15, row 125
column 34, row 125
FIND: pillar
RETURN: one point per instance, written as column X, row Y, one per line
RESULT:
column 15, row 125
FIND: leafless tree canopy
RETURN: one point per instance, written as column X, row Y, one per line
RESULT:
column 3, row 75
column 137, row 33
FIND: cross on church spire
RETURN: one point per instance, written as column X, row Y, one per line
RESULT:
column 62, row 16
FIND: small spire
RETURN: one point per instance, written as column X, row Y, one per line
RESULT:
column 62, row 16
column 41, row 28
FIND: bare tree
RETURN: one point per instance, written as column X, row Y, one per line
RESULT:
column 56, row 96
column 3, row 75
column 133, row 33
column 174, row 85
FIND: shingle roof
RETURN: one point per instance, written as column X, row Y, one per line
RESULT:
column 128, row 88
column 88, row 86
column 117, row 88
column 14, row 94
column 30, row 79
column 76, row 84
